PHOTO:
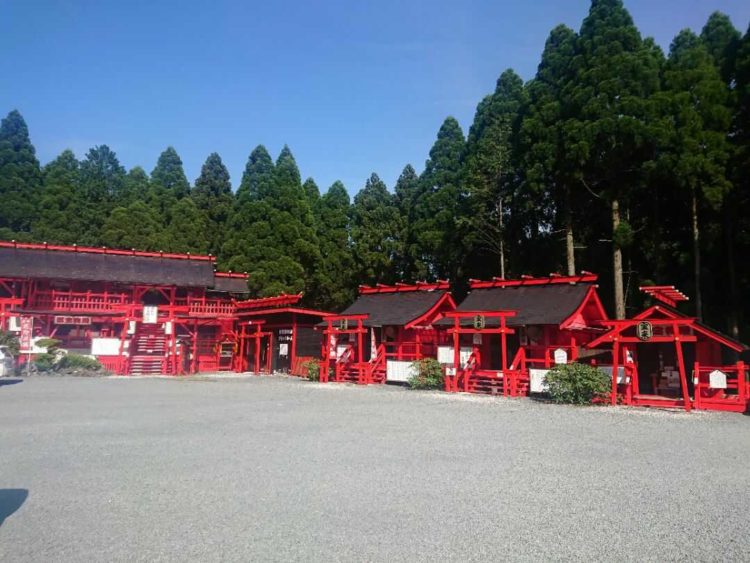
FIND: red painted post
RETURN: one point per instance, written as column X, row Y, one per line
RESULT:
column 504, row 362
column 615, row 367
column 681, row 364
column 697, row 385
column 456, row 353
column 360, row 366
column 293, row 343
column 742, row 390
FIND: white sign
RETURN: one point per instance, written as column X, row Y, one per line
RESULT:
column 283, row 349
column 105, row 346
column 150, row 314
column 445, row 355
column 398, row 370
column 561, row 356
column 717, row 379
column 538, row 380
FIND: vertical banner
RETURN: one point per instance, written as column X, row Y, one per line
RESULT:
column 27, row 333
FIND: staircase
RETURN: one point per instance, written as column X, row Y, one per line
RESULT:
column 147, row 350
column 349, row 371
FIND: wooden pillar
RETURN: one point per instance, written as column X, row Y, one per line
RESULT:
column 615, row 367
column 456, row 353
column 697, row 385
column 326, row 352
column 681, row 364
column 508, row 380
column 194, row 360
column 293, row 343
column 742, row 388
column 360, row 366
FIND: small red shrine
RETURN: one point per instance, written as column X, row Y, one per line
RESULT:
column 506, row 334
column 276, row 334
column 662, row 357
column 377, row 338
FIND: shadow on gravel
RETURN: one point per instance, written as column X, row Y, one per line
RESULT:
column 9, row 381
column 10, row 501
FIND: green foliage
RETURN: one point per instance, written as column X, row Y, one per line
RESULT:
column 20, row 176
column 58, row 218
column 49, row 344
column 577, row 384
column 213, row 196
column 439, row 242
column 168, row 176
column 428, row 374
column 271, row 230
column 313, row 370
column 334, row 282
column 258, row 176
column 10, row 340
column 102, row 184
column 135, row 226
column 186, row 229
column 375, row 233
column 75, row 362
column 45, row 362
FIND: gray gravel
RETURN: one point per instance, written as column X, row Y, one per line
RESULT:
column 280, row 469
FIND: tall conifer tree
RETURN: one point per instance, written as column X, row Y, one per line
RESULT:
column 20, row 175
column 335, row 278
column 616, row 75
column 375, row 231
column 438, row 208
column 58, row 215
column 213, row 195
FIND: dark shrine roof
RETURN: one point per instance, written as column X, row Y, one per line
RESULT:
column 231, row 284
column 534, row 304
column 122, row 267
column 394, row 309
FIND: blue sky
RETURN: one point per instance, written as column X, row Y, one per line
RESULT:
column 352, row 87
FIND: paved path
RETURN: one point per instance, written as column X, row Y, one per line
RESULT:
column 280, row 469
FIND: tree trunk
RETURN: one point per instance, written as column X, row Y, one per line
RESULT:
column 570, row 250
column 734, row 301
column 697, row 259
column 617, row 263
column 502, row 238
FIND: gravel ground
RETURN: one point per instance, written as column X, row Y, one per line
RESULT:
column 279, row 469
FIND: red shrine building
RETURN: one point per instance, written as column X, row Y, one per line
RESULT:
column 136, row 312
column 377, row 337
column 276, row 334
column 664, row 358
column 506, row 334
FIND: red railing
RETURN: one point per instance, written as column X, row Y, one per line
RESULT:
column 206, row 307
column 737, row 389
column 377, row 364
column 75, row 302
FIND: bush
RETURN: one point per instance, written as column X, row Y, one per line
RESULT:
column 78, row 362
column 313, row 370
column 45, row 362
column 11, row 341
column 577, row 384
column 428, row 374
column 50, row 344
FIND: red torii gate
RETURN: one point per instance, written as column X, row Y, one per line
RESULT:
column 508, row 376
column 343, row 328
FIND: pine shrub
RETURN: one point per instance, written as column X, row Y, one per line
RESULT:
column 577, row 384
column 313, row 370
column 428, row 374
column 75, row 362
